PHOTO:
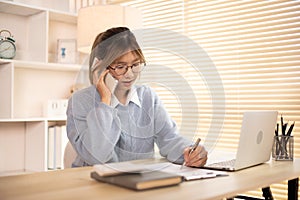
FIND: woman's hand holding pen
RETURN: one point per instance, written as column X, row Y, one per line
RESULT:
column 196, row 158
column 103, row 89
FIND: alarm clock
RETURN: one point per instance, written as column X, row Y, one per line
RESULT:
column 7, row 45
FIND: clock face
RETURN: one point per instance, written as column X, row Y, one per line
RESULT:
column 7, row 49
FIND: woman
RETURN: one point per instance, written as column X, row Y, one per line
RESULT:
column 121, row 123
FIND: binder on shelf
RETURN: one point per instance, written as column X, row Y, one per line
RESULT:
column 58, row 148
column 51, row 148
column 64, row 142
column 57, row 141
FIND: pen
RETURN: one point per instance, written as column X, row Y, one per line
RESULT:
column 192, row 150
column 284, row 128
column 281, row 119
column 290, row 129
column 276, row 131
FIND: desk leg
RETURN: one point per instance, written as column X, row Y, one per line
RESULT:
column 293, row 186
column 267, row 193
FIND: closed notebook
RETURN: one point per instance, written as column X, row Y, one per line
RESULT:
column 140, row 181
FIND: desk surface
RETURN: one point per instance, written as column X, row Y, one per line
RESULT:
column 76, row 184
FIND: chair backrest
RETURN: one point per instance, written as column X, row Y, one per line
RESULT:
column 69, row 155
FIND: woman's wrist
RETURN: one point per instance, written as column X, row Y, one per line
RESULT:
column 106, row 100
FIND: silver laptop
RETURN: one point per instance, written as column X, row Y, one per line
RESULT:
column 255, row 143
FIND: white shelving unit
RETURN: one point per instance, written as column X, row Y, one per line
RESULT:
column 29, row 80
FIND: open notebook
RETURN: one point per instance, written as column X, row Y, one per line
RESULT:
column 141, row 166
column 255, row 143
column 141, row 175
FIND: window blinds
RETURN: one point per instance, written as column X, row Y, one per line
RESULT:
column 254, row 48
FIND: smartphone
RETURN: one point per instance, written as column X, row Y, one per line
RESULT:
column 110, row 82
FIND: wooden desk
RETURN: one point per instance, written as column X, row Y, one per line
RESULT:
column 77, row 184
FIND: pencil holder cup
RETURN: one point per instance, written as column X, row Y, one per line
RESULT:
column 283, row 148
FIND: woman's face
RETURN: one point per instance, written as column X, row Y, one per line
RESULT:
column 127, row 80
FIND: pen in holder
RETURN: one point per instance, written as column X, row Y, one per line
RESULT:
column 283, row 145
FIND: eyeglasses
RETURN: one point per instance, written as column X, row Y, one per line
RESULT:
column 121, row 69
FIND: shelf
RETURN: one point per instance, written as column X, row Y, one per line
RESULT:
column 42, row 65
column 28, row 85
column 25, row 10
column 37, row 30
column 18, row 8
column 35, row 119
column 31, row 79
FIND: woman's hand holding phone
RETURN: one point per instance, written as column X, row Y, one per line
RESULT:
column 105, row 86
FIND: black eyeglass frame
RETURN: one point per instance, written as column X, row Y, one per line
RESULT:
column 142, row 65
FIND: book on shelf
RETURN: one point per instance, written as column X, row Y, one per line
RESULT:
column 149, row 175
column 51, row 150
column 57, row 141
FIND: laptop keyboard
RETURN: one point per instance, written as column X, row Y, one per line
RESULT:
column 225, row 164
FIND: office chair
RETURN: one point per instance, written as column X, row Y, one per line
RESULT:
column 69, row 155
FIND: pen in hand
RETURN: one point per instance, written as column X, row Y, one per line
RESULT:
column 192, row 150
